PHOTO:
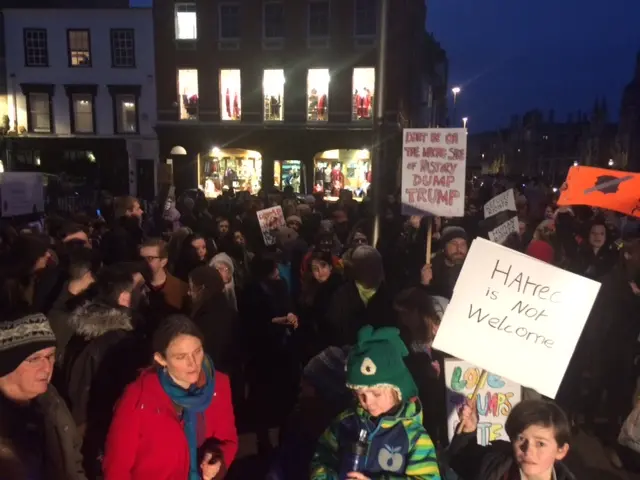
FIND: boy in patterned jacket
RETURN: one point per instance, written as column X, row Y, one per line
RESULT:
column 388, row 409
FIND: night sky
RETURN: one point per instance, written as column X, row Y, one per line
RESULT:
column 510, row 56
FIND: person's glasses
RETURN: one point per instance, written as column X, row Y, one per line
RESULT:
column 149, row 258
column 223, row 269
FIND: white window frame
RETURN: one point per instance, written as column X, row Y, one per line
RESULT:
column 220, row 7
column 120, row 99
column 75, row 97
column 36, row 47
column 356, row 16
column 311, row 2
column 33, row 114
column 264, row 20
column 77, row 53
column 182, row 7
column 118, row 35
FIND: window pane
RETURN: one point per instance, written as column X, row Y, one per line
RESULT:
column 39, row 118
column 319, row 19
column 364, row 80
column 83, row 113
column 318, row 95
column 273, row 88
column 229, row 21
column 186, row 21
column 230, row 96
column 366, row 18
column 126, row 114
column 79, row 48
column 35, row 48
column 123, row 48
column 273, row 20
column 188, row 92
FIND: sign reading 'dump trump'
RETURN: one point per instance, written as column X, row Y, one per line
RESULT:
column 516, row 316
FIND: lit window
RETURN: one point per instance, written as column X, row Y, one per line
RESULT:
column 229, row 22
column 273, row 20
column 230, row 95
column 364, row 80
column 273, row 89
column 318, row 95
column 188, row 92
column 82, row 105
column 319, row 18
column 123, row 52
column 186, row 21
column 39, row 112
column 365, row 18
column 126, row 114
column 36, row 51
column 79, row 48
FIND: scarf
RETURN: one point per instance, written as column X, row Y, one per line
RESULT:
column 193, row 403
column 366, row 294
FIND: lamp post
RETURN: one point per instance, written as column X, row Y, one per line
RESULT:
column 455, row 91
column 464, row 122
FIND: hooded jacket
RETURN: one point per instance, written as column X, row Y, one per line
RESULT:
column 230, row 288
column 399, row 447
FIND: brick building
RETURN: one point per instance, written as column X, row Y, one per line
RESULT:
column 256, row 93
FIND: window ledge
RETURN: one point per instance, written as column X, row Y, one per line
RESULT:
column 229, row 44
column 272, row 43
column 318, row 42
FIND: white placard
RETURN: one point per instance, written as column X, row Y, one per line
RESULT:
column 22, row 193
column 270, row 219
column 433, row 171
column 516, row 316
column 502, row 232
column 496, row 398
column 500, row 203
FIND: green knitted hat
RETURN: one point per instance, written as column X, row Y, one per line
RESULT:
column 377, row 361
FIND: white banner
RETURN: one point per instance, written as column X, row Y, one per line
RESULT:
column 433, row 171
column 500, row 203
column 502, row 232
column 516, row 316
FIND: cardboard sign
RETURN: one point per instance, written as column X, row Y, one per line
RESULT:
column 270, row 219
column 502, row 232
column 500, row 203
column 516, row 316
column 433, row 171
column 496, row 398
column 600, row 187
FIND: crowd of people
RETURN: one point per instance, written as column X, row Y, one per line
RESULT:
column 134, row 345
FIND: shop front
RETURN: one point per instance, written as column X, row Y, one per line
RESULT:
column 223, row 169
column 335, row 170
column 289, row 173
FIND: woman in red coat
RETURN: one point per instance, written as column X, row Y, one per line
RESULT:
column 175, row 422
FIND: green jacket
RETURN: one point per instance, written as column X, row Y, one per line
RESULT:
column 399, row 446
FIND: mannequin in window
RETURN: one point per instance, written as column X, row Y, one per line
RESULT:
column 313, row 105
column 337, row 179
column 190, row 104
column 355, row 101
column 274, row 104
column 227, row 103
column 322, row 107
column 366, row 103
column 236, row 106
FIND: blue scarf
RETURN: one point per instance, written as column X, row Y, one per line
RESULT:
column 194, row 402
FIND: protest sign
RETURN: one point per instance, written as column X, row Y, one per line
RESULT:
column 433, row 171
column 496, row 398
column 500, row 203
column 270, row 219
column 21, row 193
column 502, row 232
column 516, row 316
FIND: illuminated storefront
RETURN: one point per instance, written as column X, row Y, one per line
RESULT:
column 289, row 172
column 364, row 80
column 188, row 94
column 230, row 95
column 318, row 95
column 273, row 92
column 235, row 168
column 335, row 170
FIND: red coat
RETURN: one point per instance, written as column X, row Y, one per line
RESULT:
column 146, row 439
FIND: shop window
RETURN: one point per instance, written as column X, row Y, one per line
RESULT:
column 319, row 15
column 364, row 80
column 186, row 21
column 273, row 20
column 235, row 169
column 229, row 27
column 318, row 95
column 36, row 50
column 39, row 106
column 230, row 95
column 288, row 173
column 273, row 89
column 79, row 45
column 82, row 105
column 336, row 170
column 126, row 113
column 188, row 92
column 365, row 18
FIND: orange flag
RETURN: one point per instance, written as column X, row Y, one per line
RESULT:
column 603, row 188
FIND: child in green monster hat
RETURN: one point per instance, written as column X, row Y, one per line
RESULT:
column 388, row 409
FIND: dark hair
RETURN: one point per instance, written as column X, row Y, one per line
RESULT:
column 171, row 328
column 123, row 205
column 112, row 282
column 207, row 277
column 541, row 413
column 81, row 261
column 416, row 314
column 161, row 245
column 70, row 228
column 320, row 256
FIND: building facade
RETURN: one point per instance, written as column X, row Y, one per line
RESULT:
column 627, row 147
column 255, row 94
column 80, row 98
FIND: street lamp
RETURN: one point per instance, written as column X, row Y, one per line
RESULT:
column 611, row 162
column 455, row 91
column 464, row 121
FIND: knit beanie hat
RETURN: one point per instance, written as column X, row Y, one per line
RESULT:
column 326, row 373
column 376, row 360
column 22, row 337
column 451, row 233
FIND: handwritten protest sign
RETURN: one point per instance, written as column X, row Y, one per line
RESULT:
column 500, row 203
column 502, row 231
column 496, row 398
column 433, row 171
column 516, row 316
column 270, row 219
